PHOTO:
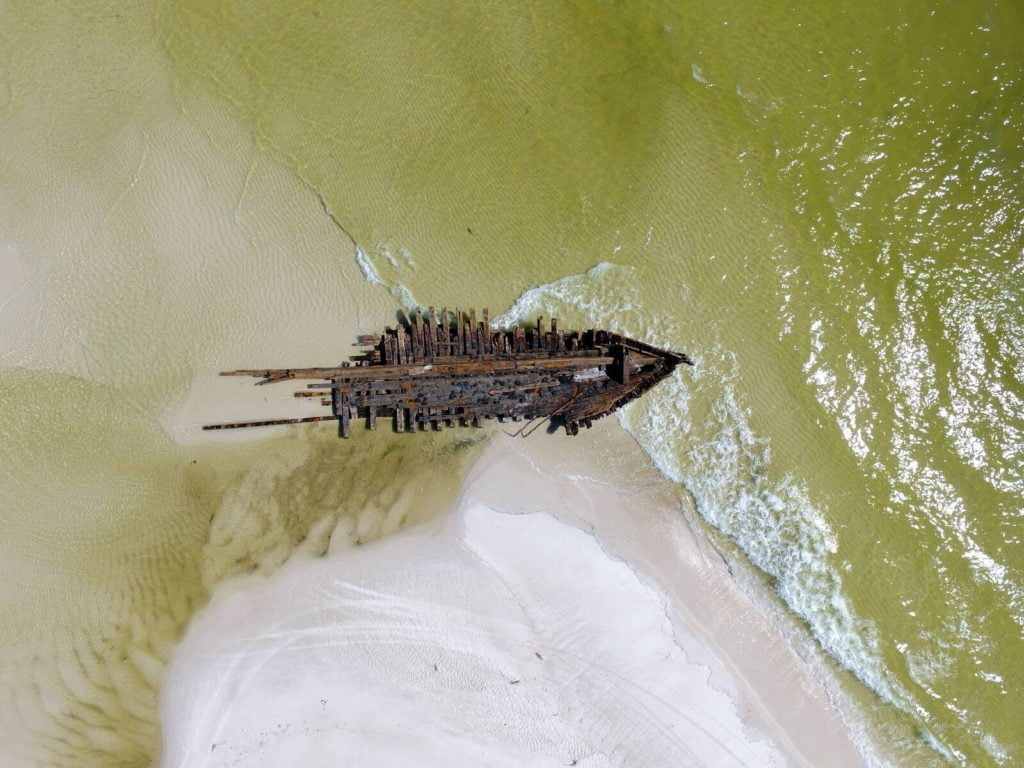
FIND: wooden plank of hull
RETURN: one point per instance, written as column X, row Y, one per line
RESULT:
column 268, row 422
column 416, row 352
column 461, row 332
column 429, row 370
column 345, row 417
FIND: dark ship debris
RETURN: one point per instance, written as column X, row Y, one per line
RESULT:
column 445, row 369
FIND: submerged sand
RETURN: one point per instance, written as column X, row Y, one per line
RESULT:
column 146, row 242
column 563, row 614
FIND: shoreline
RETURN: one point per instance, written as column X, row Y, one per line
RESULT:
column 508, row 556
column 638, row 517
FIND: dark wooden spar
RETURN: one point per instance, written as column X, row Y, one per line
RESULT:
column 444, row 369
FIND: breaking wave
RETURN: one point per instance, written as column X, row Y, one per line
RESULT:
column 697, row 432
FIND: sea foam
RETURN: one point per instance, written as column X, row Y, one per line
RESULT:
column 696, row 430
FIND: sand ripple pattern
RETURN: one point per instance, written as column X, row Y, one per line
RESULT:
column 145, row 243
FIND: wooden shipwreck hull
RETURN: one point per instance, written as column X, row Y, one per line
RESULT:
column 449, row 369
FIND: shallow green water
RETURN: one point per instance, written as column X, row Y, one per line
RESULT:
column 822, row 206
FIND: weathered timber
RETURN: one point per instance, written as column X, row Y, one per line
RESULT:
column 269, row 422
column 439, row 369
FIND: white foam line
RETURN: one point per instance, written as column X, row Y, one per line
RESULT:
column 729, row 474
column 366, row 267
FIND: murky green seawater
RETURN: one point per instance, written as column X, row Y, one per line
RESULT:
column 823, row 206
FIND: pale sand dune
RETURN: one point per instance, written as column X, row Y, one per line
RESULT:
column 510, row 634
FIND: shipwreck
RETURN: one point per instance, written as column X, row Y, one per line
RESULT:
column 435, row 369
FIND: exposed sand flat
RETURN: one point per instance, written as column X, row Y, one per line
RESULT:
column 498, row 640
column 510, row 634
column 605, row 484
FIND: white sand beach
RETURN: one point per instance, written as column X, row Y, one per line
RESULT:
column 563, row 614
